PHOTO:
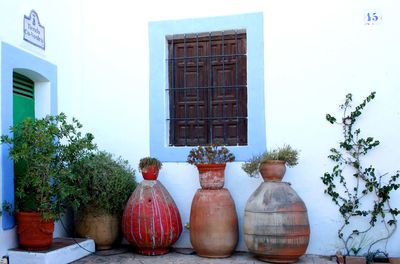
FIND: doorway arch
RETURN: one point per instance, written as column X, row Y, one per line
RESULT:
column 44, row 76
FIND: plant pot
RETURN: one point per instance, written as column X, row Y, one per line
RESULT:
column 273, row 170
column 34, row 233
column 394, row 260
column 355, row 260
column 150, row 173
column 212, row 176
column 151, row 221
column 103, row 228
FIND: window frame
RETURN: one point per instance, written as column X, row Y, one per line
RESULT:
column 158, row 83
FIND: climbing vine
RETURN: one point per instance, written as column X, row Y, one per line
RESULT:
column 357, row 189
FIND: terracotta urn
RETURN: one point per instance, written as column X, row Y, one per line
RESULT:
column 213, row 218
column 213, row 223
column 151, row 222
column 276, row 227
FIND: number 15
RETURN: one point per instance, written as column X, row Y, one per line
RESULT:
column 372, row 17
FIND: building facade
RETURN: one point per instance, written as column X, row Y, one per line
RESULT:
column 107, row 65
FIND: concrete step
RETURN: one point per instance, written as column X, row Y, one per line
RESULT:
column 62, row 251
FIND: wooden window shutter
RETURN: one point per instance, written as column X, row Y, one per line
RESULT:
column 208, row 89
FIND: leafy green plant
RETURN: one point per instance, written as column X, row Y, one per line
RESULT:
column 213, row 154
column 149, row 161
column 43, row 151
column 104, row 183
column 356, row 188
column 285, row 153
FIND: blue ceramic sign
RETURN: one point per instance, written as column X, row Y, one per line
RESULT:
column 33, row 30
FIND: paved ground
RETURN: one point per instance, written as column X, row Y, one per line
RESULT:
column 126, row 255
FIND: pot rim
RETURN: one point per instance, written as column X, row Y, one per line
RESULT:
column 274, row 162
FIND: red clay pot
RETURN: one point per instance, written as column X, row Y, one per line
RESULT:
column 273, row 170
column 394, row 260
column 150, row 173
column 213, row 223
column 151, row 221
column 355, row 260
column 34, row 233
column 212, row 176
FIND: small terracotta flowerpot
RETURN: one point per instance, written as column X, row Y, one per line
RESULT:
column 355, row 260
column 212, row 176
column 34, row 233
column 273, row 170
column 394, row 260
column 150, row 173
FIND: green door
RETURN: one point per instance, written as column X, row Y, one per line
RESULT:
column 23, row 96
column 24, row 106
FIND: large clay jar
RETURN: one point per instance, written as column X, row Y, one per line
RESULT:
column 34, row 233
column 276, row 227
column 101, row 227
column 213, row 218
column 151, row 221
column 213, row 223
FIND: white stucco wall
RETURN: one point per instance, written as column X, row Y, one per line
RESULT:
column 315, row 53
column 58, row 51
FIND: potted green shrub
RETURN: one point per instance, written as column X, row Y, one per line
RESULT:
column 272, row 164
column 43, row 151
column 105, row 184
column 212, row 158
column 149, row 167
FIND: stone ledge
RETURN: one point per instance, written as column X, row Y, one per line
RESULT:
column 63, row 250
